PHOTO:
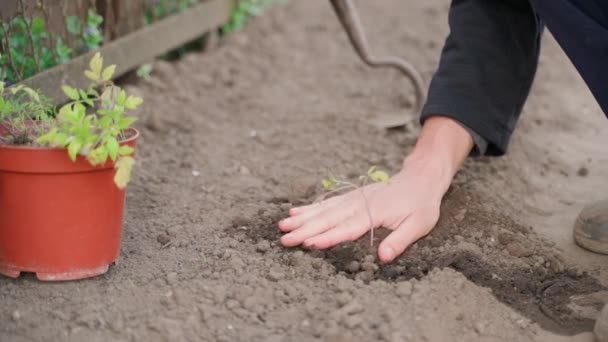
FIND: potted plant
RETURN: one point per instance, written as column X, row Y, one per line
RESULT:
column 63, row 176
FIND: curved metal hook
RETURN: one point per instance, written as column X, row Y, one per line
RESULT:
column 349, row 17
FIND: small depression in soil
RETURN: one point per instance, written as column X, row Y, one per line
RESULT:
column 532, row 281
column 536, row 292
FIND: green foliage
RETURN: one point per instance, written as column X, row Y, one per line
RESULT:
column 162, row 8
column 87, row 35
column 144, row 71
column 23, row 103
column 28, row 48
column 90, row 125
column 243, row 10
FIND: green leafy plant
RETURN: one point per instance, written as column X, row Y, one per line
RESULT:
column 243, row 10
column 20, row 105
column 90, row 125
column 88, row 35
column 161, row 8
column 144, row 71
column 28, row 48
column 333, row 185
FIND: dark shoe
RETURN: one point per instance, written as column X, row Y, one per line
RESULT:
column 591, row 227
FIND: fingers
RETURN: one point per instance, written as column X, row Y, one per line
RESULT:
column 411, row 230
column 349, row 230
column 323, row 221
column 300, row 210
column 301, row 215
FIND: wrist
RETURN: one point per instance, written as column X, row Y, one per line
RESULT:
column 442, row 147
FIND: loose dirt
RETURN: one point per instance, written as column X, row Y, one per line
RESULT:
column 233, row 137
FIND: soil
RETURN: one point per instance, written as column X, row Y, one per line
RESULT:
column 232, row 138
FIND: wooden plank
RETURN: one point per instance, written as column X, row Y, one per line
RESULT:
column 136, row 48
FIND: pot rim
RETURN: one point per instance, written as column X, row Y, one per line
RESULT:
column 46, row 148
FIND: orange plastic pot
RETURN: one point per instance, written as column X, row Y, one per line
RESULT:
column 58, row 218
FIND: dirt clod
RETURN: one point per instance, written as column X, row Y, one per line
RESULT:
column 404, row 289
column 519, row 250
column 262, row 246
column 353, row 267
column 163, row 239
column 275, row 275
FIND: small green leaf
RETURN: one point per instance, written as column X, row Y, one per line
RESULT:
column 70, row 92
column 59, row 139
column 379, row 176
column 327, row 184
column 48, row 137
column 133, row 102
column 126, row 122
column 108, row 72
column 73, row 24
column 122, row 96
column 74, row 148
column 92, row 92
column 79, row 111
column 91, row 75
column 144, row 71
column 32, row 94
column 112, row 147
column 126, row 150
column 105, row 122
column 98, row 155
column 123, row 167
column 96, row 63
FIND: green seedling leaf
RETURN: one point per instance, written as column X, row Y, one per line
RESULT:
column 112, row 147
column 70, row 92
column 91, row 75
column 47, row 138
column 126, row 122
column 133, row 102
column 60, row 139
column 108, row 72
column 122, row 97
column 144, row 71
column 327, row 184
column 74, row 148
column 32, row 94
column 79, row 111
column 96, row 64
column 98, row 155
column 123, row 171
column 126, row 150
column 378, row 175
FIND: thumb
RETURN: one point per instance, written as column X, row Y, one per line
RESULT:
column 410, row 231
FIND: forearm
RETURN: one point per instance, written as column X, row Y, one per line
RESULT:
column 486, row 68
column 442, row 147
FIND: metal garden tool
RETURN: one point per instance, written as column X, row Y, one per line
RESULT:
column 349, row 17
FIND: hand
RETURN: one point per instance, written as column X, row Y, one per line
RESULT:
column 408, row 204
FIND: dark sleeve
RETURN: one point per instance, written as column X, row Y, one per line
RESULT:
column 486, row 69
